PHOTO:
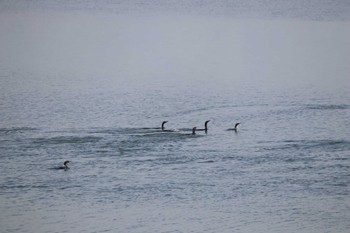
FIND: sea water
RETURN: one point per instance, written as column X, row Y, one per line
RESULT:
column 93, row 86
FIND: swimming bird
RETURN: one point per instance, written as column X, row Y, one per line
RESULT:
column 205, row 127
column 194, row 130
column 163, row 123
column 65, row 165
column 235, row 128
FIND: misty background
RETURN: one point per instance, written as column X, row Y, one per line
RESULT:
column 266, row 42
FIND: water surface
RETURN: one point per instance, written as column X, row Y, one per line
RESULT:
column 93, row 84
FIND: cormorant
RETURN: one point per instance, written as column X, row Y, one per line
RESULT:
column 163, row 123
column 65, row 165
column 235, row 128
column 205, row 127
column 194, row 130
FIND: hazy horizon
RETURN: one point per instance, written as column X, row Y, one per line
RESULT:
column 269, row 42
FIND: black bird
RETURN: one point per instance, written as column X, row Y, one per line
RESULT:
column 65, row 165
column 194, row 130
column 163, row 123
column 205, row 127
column 235, row 128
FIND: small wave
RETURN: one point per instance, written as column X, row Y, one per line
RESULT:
column 9, row 187
column 156, row 137
column 191, row 111
column 207, row 161
column 328, row 106
column 328, row 145
column 67, row 139
column 16, row 129
column 126, row 131
column 146, row 132
column 187, row 129
column 58, row 168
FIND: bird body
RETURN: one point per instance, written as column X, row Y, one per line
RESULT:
column 194, row 130
column 235, row 128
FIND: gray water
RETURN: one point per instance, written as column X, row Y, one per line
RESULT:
column 92, row 83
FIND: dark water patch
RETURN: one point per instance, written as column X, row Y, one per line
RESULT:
column 16, row 130
column 328, row 106
column 155, row 190
column 62, row 168
column 67, row 140
column 152, row 128
column 321, row 187
column 145, row 136
column 149, row 132
column 174, row 160
column 121, row 131
column 342, row 158
column 229, row 157
column 168, row 136
column 148, row 142
column 336, row 167
column 69, row 187
column 104, row 131
column 103, row 151
column 130, row 131
column 326, row 145
column 189, row 130
column 21, row 188
column 207, row 161
column 191, row 111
